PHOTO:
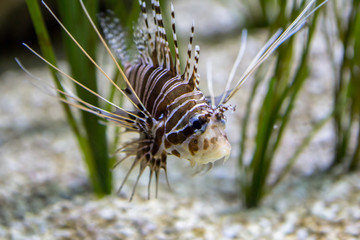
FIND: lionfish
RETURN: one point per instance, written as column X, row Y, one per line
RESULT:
column 171, row 115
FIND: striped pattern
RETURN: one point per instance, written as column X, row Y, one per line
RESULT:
column 179, row 119
column 171, row 114
column 161, row 90
column 178, row 111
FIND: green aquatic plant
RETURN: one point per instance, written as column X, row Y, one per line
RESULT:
column 90, row 134
column 345, row 30
column 275, row 113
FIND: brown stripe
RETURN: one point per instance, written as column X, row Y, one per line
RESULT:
column 155, row 89
column 176, row 153
column 170, row 85
column 143, row 80
column 189, row 114
column 182, row 89
column 176, row 138
column 148, row 82
column 173, row 120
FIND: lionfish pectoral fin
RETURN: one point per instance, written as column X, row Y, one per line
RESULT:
column 163, row 165
column 218, row 99
column 121, row 160
column 143, row 165
column 114, row 34
column 139, row 105
column 167, row 179
column 138, row 152
column 154, row 167
column 81, row 104
column 149, row 184
column 145, row 159
column 274, row 42
column 134, row 164
column 152, row 164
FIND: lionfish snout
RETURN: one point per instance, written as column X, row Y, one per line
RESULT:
column 208, row 142
column 211, row 145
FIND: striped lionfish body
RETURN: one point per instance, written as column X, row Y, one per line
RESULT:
column 171, row 114
column 174, row 117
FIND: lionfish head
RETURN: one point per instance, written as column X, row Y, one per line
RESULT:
column 208, row 142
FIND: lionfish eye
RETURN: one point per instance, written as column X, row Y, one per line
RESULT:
column 198, row 124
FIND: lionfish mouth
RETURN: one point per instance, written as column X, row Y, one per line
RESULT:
column 221, row 151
